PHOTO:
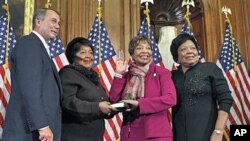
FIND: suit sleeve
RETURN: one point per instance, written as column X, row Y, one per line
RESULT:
column 221, row 90
column 164, row 95
column 29, row 67
column 116, row 89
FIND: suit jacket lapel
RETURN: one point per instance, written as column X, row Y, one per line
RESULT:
column 56, row 75
column 55, row 72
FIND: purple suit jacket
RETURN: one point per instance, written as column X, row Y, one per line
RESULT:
column 160, row 95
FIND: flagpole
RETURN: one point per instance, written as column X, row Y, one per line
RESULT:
column 146, row 12
column 48, row 4
column 6, row 8
column 188, row 3
column 99, row 9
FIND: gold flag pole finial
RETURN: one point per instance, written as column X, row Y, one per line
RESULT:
column 48, row 4
column 99, row 10
column 188, row 3
column 226, row 11
column 6, row 66
column 146, row 12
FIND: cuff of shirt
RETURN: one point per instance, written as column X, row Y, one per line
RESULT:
column 43, row 128
column 118, row 75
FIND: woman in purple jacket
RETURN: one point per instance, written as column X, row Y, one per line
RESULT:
column 148, row 89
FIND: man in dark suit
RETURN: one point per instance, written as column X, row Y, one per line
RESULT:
column 34, row 111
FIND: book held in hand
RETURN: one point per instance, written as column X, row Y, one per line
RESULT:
column 120, row 106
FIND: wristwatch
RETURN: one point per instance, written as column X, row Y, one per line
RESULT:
column 218, row 131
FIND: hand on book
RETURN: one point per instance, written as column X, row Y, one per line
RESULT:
column 132, row 102
column 120, row 106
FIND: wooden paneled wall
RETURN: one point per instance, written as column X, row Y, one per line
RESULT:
column 122, row 20
column 215, row 26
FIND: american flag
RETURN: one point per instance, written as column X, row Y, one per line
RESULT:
column 6, row 35
column 57, row 53
column 235, row 71
column 105, row 50
column 187, row 29
column 146, row 31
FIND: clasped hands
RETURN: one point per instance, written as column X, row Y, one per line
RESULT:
column 107, row 109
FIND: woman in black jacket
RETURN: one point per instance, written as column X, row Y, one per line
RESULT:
column 84, row 101
column 203, row 96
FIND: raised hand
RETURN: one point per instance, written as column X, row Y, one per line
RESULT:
column 120, row 62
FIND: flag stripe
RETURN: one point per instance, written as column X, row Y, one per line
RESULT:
column 244, row 91
column 231, row 115
column 1, row 121
column 118, row 118
column 237, row 95
column 106, row 134
column 106, row 72
column 245, row 78
column 58, row 63
column 112, row 124
column 4, row 102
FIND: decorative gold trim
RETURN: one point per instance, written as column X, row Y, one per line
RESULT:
column 28, row 15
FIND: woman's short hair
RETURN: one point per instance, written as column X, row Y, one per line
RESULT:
column 136, row 41
column 178, row 41
column 74, row 46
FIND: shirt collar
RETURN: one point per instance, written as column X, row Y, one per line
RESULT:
column 43, row 41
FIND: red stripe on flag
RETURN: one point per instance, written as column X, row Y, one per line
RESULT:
column 1, row 121
column 2, row 98
column 103, row 85
column 8, row 87
column 107, row 73
column 106, row 136
column 237, row 94
column 244, row 77
column 118, row 119
column 242, row 102
column 58, row 61
column 232, row 82
column 2, row 71
column 112, row 62
column 245, row 100
column 7, row 84
column 231, row 118
column 112, row 125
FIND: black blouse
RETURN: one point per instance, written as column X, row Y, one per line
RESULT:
column 201, row 92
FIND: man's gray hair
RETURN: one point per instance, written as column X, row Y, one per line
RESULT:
column 40, row 14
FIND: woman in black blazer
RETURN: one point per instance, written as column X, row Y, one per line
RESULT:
column 84, row 103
